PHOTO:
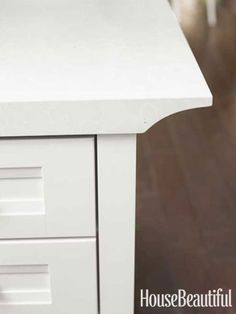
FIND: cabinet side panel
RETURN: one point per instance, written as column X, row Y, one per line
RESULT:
column 116, row 165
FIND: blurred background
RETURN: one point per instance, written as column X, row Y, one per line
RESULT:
column 186, row 206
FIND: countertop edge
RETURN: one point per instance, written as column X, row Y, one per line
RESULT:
column 91, row 117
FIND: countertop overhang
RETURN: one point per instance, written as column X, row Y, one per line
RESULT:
column 93, row 67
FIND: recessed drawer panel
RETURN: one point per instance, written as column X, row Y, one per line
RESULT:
column 48, row 276
column 47, row 187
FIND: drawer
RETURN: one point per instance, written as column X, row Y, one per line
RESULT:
column 47, row 187
column 48, row 276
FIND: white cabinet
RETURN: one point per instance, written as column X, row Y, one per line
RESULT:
column 48, row 276
column 47, row 187
column 78, row 80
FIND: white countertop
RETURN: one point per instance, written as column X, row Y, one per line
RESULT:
column 93, row 66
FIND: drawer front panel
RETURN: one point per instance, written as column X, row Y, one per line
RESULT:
column 48, row 276
column 47, row 187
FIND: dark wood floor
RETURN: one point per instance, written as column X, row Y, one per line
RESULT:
column 186, row 206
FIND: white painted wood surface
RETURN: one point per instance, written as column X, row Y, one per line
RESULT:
column 93, row 67
column 48, row 276
column 106, row 68
column 47, row 187
column 116, row 158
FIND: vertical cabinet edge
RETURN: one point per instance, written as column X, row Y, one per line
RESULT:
column 116, row 177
